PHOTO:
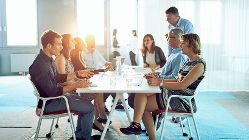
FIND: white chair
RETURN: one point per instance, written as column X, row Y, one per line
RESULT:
column 52, row 115
column 169, row 112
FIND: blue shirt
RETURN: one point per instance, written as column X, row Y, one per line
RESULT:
column 174, row 63
column 184, row 24
column 45, row 78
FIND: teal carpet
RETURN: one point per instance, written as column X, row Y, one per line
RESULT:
column 16, row 94
column 214, row 121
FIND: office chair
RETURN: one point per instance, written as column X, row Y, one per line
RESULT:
column 52, row 115
column 169, row 112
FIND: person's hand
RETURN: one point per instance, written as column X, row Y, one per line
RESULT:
column 153, row 81
column 154, row 67
column 150, row 75
column 83, row 83
column 146, row 65
column 108, row 67
column 85, row 73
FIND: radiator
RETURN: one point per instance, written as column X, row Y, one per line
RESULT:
column 21, row 62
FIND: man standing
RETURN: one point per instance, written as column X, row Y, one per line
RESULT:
column 175, row 21
column 46, row 79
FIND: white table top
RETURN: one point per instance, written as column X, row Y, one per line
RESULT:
column 110, row 83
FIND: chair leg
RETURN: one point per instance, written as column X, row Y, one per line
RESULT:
column 189, row 128
column 163, row 126
column 56, row 125
column 49, row 135
column 38, row 128
column 182, row 125
column 72, row 126
column 196, row 130
column 156, row 122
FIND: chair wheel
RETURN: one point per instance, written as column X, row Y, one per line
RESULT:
column 56, row 126
column 68, row 120
column 182, row 125
column 48, row 135
column 191, row 138
column 185, row 134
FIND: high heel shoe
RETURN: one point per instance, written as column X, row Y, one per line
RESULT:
column 97, row 128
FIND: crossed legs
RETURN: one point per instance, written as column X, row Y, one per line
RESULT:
column 142, row 111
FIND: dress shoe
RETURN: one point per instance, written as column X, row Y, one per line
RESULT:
column 96, row 137
column 76, row 138
column 97, row 128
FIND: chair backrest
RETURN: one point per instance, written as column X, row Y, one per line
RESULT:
column 35, row 92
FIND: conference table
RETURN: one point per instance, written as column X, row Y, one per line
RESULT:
column 130, row 81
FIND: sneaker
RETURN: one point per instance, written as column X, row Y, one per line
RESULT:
column 134, row 128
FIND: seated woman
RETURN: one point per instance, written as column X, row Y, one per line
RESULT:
column 64, row 65
column 189, row 77
column 153, row 56
column 76, row 54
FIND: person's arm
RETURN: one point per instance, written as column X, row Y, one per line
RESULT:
column 192, row 76
column 189, row 28
column 75, row 85
column 60, row 64
column 80, row 74
column 161, row 57
column 42, row 76
column 176, row 64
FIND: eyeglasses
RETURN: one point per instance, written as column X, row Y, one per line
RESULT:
column 167, row 36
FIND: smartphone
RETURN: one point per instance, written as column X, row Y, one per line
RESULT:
column 97, row 71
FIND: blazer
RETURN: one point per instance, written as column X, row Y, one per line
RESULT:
column 159, row 57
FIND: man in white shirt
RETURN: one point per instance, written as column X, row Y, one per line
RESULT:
column 92, row 57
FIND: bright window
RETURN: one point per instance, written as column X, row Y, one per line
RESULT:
column 124, row 18
column 21, row 21
column 90, row 16
column 210, row 22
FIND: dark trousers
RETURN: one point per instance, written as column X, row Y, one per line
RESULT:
column 85, row 109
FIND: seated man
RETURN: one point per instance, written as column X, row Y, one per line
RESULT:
column 95, row 60
column 46, row 79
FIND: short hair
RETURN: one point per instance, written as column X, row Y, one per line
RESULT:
column 48, row 37
column 193, row 41
column 172, row 10
column 176, row 32
column 66, row 39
